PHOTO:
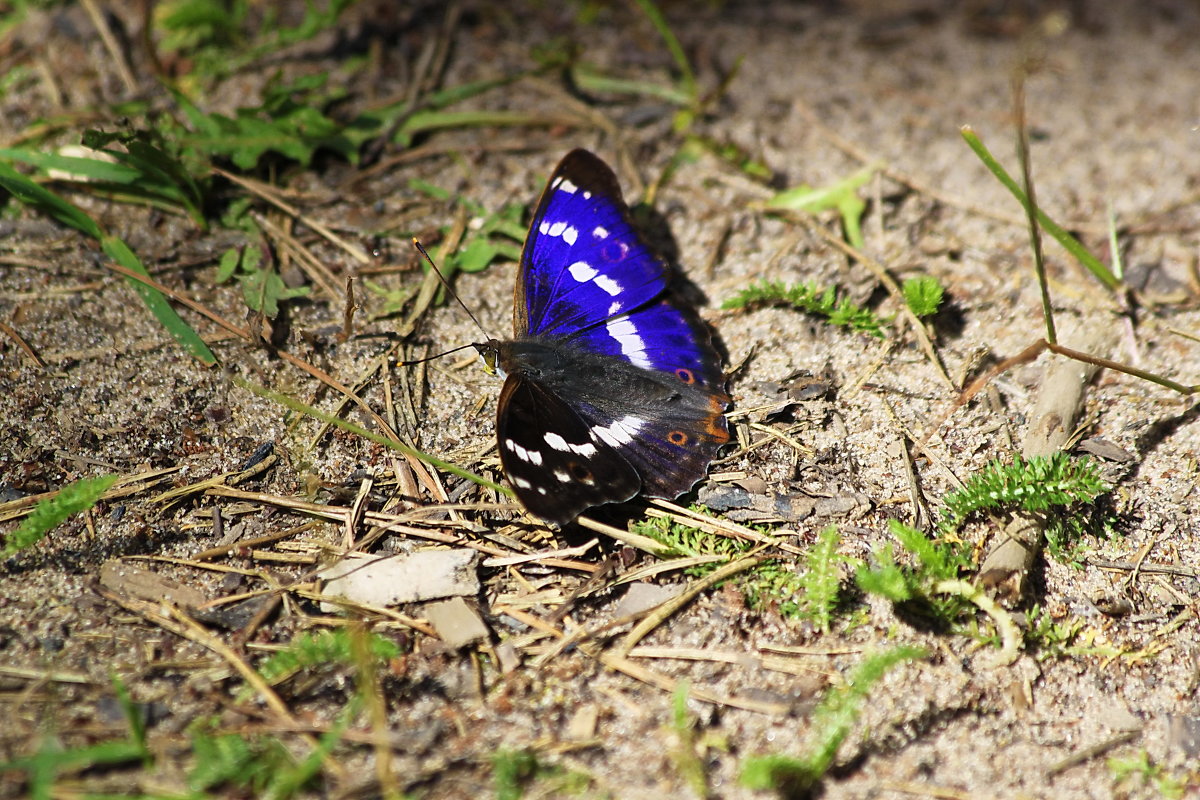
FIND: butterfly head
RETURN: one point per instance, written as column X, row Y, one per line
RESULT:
column 489, row 352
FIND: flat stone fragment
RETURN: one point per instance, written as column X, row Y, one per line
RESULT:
column 456, row 623
column 412, row 578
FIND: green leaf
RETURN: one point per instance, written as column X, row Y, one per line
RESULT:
column 53, row 511
column 885, row 579
column 511, row 769
column 1032, row 485
column 293, row 128
column 822, row 578
column 923, row 295
column 842, row 196
column 228, row 264
column 476, row 256
column 831, row 723
column 939, row 559
column 262, row 288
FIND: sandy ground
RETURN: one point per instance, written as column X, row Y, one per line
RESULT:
column 819, row 90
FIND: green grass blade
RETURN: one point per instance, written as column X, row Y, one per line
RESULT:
column 590, row 79
column 39, row 197
column 118, row 251
column 42, row 199
column 427, row 121
column 686, row 75
column 1069, row 242
column 399, row 447
column 92, row 169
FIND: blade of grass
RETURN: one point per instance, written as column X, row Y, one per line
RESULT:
column 686, row 75
column 118, row 251
column 427, row 121
column 35, row 195
column 92, row 169
column 1069, row 242
column 42, row 199
column 590, row 79
column 399, row 447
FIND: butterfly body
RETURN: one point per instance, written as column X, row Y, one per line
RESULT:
column 612, row 387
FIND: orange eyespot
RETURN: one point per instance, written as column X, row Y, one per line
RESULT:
column 685, row 375
column 678, row 438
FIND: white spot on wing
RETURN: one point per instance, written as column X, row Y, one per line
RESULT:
column 600, row 232
column 632, row 346
column 544, row 228
column 582, row 271
column 570, row 235
column 532, row 456
column 620, row 432
column 608, row 284
column 521, row 483
column 562, row 476
column 587, row 449
column 566, row 186
column 556, row 229
column 587, row 195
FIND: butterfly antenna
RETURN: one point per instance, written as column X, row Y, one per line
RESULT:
column 409, row 363
column 449, row 290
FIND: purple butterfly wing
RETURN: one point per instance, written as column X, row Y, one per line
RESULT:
column 583, row 260
column 613, row 386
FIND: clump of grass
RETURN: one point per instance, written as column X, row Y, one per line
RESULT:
column 931, row 583
column 812, row 593
column 810, row 298
column 1140, row 771
column 831, row 722
column 923, row 295
column 1036, row 484
column 322, row 649
column 936, row 561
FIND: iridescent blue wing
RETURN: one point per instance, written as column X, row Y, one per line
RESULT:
column 661, row 335
column 587, row 275
column 583, row 259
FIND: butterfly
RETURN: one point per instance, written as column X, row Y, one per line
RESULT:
column 611, row 385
